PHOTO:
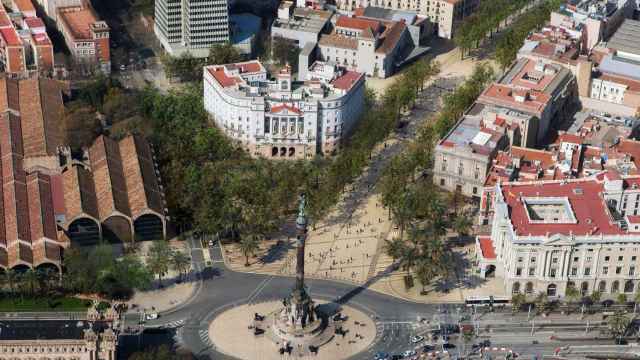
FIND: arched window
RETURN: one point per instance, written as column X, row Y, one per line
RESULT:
column 615, row 287
column 628, row 286
column 552, row 290
column 516, row 288
column 584, row 288
column 274, row 151
column 529, row 288
column 602, row 286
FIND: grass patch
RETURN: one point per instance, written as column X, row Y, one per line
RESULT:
column 43, row 304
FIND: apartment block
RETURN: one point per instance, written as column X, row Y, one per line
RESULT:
column 86, row 36
column 191, row 25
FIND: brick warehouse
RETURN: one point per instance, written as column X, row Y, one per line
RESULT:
column 50, row 200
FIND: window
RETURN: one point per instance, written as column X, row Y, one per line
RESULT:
column 633, row 258
column 632, row 270
column 520, row 259
column 618, row 270
column 532, row 271
column 533, row 259
column 441, row 182
column 606, row 258
column 519, row 272
column 575, row 259
column 552, row 273
column 475, row 190
column 554, row 260
column 574, row 271
column 620, row 258
column 267, row 125
column 589, row 258
column 587, row 271
column 605, row 270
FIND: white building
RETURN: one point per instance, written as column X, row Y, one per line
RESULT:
column 191, row 25
column 547, row 236
column 281, row 118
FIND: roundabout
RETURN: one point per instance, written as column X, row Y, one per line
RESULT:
column 232, row 333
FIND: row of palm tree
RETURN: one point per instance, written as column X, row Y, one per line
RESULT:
column 30, row 282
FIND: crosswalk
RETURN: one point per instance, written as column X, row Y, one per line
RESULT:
column 174, row 324
column 204, row 336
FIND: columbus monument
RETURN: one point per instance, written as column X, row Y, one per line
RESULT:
column 299, row 324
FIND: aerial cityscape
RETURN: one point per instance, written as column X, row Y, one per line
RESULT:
column 319, row 179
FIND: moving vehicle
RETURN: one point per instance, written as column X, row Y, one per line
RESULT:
column 486, row 300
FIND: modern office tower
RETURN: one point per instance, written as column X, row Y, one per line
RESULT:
column 191, row 25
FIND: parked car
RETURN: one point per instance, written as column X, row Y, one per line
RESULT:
column 151, row 316
column 381, row 356
column 408, row 353
column 416, row 339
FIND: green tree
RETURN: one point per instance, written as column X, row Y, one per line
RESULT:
column 11, row 279
column 621, row 299
column 224, row 53
column 30, row 281
column 618, row 324
column 394, row 248
column 517, row 300
column 248, row 246
column 180, row 262
column 159, row 258
column 572, row 294
column 542, row 303
column 595, row 297
column 285, row 51
column 462, row 224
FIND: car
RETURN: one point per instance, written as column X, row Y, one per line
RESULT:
column 123, row 67
column 427, row 348
column 448, row 346
column 408, row 353
column 397, row 357
column 151, row 316
column 381, row 356
column 416, row 339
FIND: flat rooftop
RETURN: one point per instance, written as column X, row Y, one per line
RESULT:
column 471, row 136
column 78, row 20
column 306, row 20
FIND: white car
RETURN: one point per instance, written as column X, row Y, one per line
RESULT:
column 408, row 353
column 151, row 316
column 416, row 339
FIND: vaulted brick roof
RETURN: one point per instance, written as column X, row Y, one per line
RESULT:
column 79, row 193
column 108, row 177
column 143, row 190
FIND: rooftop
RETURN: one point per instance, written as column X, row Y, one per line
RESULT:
column 387, row 14
column 306, row 20
column 24, row 5
column 620, row 67
column 471, row 135
column 78, row 20
column 626, row 37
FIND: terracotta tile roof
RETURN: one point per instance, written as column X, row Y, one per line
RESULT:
column 358, row 23
column 24, row 5
column 584, row 196
column 34, row 22
column 341, row 41
column 78, row 20
column 41, row 111
column 391, row 37
column 109, row 179
column 221, row 77
column 347, row 80
column 486, row 247
column 10, row 36
column 143, row 190
column 279, row 108
column 503, row 95
column 79, row 194
column 632, row 85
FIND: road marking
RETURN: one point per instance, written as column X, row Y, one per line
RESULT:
column 259, row 289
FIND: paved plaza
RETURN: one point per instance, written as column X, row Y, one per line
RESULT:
column 230, row 333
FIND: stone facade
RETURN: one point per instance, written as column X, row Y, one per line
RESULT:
column 548, row 236
column 283, row 119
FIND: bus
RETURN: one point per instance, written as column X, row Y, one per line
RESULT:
column 486, row 301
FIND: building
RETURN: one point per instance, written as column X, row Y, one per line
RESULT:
column 90, row 338
column 300, row 24
column 444, row 14
column 615, row 82
column 419, row 27
column 191, row 25
column 50, row 7
column 464, row 156
column 596, row 19
column 372, row 47
column 551, row 235
column 282, row 118
column 87, row 38
column 545, row 91
column 24, row 43
column 53, row 199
